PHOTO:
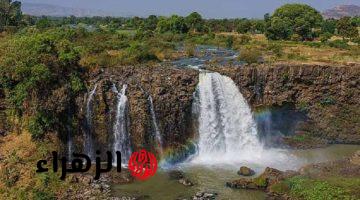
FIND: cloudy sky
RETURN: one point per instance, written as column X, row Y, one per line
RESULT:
column 208, row 8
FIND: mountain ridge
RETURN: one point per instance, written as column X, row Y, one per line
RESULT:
column 342, row 11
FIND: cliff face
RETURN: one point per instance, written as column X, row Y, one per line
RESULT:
column 329, row 95
column 172, row 94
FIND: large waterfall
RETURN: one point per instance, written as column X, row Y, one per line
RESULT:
column 88, row 139
column 120, row 129
column 158, row 138
column 227, row 130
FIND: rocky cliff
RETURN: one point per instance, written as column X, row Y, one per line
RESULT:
column 328, row 95
column 172, row 93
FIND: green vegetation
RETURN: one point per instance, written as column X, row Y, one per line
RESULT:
column 311, row 189
column 10, row 14
column 45, row 61
column 293, row 19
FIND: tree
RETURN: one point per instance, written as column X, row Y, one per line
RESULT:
column 329, row 26
column 298, row 19
column 195, row 22
column 174, row 24
column 150, row 23
column 346, row 28
column 278, row 29
column 244, row 26
column 10, row 13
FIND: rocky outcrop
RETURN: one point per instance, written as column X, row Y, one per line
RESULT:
column 172, row 94
column 280, row 185
column 328, row 95
column 269, row 177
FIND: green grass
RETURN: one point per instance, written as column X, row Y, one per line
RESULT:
column 310, row 189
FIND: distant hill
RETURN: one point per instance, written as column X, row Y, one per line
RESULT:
column 342, row 11
column 58, row 11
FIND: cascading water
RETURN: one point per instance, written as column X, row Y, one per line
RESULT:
column 120, row 129
column 88, row 142
column 70, row 148
column 227, row 130
column 158, row 137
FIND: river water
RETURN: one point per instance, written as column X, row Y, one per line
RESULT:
column 213, row 178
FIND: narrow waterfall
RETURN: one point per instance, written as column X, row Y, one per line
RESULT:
column 70, row 143
column 120, row 129
column 227, row 130
column 158, row 138
column 88, row 140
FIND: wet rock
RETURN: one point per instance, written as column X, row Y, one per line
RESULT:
column 317, row 90
column 269, row 177
column 186, row 182
column 176, row 174
column 124, row 177
column 180, row 177
column 204, row 196
column 245, row 171
column 355, row 159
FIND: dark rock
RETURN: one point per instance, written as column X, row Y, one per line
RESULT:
column 176, row 174
column 204, row 196
column 269, row 177
column 317, row 90
column 245, row 171
column 186, row 182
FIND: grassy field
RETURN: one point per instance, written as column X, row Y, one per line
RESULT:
column 316, row 52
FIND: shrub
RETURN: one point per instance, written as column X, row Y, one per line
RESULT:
column 39, row 124
column 276, row 49
column 250, row 55
column 43, row 195
column 325, row 37
column 296, row 37
column 190, row 49
column 229, row 41
column 340, row 44
column 244, row 39
column 328, row 101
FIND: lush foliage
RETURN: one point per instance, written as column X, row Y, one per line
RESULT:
column 10, row 13
column 292, row 19
column 39, row 68
column 347, row 28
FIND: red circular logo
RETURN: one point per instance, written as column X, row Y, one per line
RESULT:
column 142, row 164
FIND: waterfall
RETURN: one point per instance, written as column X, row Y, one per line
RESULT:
column 158, row 137
column 88, row 140
column 227, row 130
column 70, row 148
column 120, row 129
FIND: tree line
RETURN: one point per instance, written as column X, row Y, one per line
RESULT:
column 289, row 22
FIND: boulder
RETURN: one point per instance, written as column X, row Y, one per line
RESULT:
column 205, row 196
column 186, row 182
column 176, row 174
column 355, row 159
column 245, row 171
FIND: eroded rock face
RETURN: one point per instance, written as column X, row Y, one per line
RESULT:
column 328, row 94
column 172, row 94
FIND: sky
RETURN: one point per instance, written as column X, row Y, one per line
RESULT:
column 207, row 8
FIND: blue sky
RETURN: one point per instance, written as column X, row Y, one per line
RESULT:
column 208, row 8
